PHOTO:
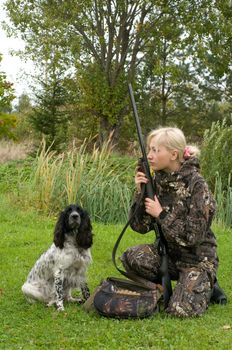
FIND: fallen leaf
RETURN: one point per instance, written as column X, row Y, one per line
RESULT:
column 226, row 327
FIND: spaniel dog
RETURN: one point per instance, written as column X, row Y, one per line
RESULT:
column 63, row 266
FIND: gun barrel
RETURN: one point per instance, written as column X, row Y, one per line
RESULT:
column 149, row 187
column 139, row 130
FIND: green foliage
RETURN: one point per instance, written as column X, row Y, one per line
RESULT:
column 6, row 92
column 23, row 111
column 177, row 54
column 7, row 121
column 7, row 124
column 103, row 104
column 176, row 86
column 25, row 235
column 24, row 104
column 50, row 116
column 13, row 173
column 216, row 156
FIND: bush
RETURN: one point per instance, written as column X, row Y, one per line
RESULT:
column 7, row 124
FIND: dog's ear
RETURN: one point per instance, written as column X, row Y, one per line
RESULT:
column 59, row 232
column 85, row 235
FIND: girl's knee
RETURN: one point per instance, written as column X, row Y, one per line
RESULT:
column 141, row 260
column 185, row 310
column 192, row 294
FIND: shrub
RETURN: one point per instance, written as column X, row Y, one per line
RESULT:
column 7, row 124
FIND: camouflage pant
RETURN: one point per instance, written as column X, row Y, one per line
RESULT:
column 191, row 295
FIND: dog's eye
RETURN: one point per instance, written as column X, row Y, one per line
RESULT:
column 70, row 210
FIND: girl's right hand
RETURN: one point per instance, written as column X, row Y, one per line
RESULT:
column 140, row 178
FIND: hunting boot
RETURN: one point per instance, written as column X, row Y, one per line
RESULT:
column 218, row 296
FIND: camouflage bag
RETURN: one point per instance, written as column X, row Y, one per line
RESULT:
column 134, row 297
column 120, row 298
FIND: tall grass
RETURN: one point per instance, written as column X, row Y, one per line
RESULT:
column 46, row 175
column 74, row 172
column 96, row 180
column 99, row 180
column 216, row 156
column 223, row 198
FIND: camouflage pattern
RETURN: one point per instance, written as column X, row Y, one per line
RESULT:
column 123, row 299
column 188, row 212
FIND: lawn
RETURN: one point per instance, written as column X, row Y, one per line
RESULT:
column 25, row 234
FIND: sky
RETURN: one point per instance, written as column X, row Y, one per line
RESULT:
column 11, row 65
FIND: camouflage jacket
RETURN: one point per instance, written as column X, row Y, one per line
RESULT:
column 188, row 210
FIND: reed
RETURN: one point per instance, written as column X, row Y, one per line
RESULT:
column 95, row 180
column 216, row 156
column 223, row 198
column 47, row 172
column 74, row 172
column 99, row 180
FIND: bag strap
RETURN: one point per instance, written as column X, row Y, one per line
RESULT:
column 132, row 276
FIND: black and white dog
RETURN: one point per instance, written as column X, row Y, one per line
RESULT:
column 63, row 266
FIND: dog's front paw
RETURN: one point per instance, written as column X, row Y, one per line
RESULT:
column 80, row 301
column 77, row 300
column 60, row 308
column 52, row 302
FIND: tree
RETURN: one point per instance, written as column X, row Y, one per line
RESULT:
column 23, row 110
column 24, row 105
column 6, row 92
column 167, row 77
column 169, row 46
column 50, row 115
column 176, row 87
column 7, row 121
column 104, row 35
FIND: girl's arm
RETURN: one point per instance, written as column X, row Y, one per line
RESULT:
column 141, row 221
column 189, row 229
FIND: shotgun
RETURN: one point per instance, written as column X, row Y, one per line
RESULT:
column 150, row 193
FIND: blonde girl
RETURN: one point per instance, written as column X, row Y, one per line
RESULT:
column 184, row 208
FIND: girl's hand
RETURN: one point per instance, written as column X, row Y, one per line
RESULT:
column 140, row 178
column 153, row 207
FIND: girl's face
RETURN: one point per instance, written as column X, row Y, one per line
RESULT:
column 160, row 158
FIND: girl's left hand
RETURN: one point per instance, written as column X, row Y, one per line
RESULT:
column 153, row 207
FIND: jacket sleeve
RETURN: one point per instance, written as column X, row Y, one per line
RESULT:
column 188, row 226
column 140, row 222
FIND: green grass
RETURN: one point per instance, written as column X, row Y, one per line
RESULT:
column 26, row 234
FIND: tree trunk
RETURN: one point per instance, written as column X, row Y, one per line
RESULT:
column 109, row 132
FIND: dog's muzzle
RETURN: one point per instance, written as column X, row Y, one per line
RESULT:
column 74, row 219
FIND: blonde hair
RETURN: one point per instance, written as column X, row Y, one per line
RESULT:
column 173, row 139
